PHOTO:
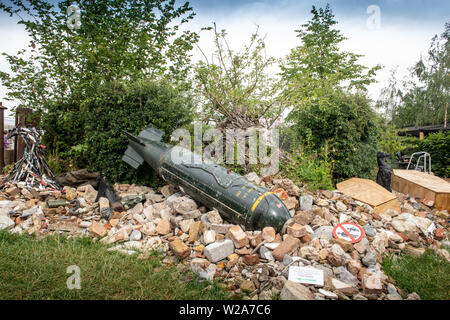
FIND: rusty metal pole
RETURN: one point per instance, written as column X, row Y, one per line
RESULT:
column 2, row 128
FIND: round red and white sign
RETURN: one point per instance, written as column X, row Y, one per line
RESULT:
column 348, row 231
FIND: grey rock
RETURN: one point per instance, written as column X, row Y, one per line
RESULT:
column 325, row 232
column 203, row 268
column 6, row 223
column 287, row 260
column 305, row 203
column 28, row 213
column 221, row 228
column 85, row 224
column 369, row 230
column 194, row 214
column 266, row 253
column 345, row 276
column 370, row 259
column 295, row 291
column 172, row 198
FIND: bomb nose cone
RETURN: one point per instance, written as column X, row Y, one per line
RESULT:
column 270, row 211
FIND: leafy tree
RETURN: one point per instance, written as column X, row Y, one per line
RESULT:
column 325, row 89
column 236, row 88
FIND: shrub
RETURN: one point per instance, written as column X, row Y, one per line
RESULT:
column 310, row 169
column 345, row 125
column 130, row 107
column 438, row 146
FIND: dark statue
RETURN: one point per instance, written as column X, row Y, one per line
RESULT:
column 384, row 171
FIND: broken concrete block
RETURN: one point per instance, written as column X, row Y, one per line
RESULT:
column 90, row 194
column 238, row 236
column 219, row 250
column 297, row 230
column 163, row 227
column 97, row 229
column 285, row 247
column 195, row 231
column 180, row 248
column 209, row 236
column 268, row 234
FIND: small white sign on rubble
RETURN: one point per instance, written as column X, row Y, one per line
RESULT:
column 306, row 275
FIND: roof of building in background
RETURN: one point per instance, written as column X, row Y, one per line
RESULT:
column 415, row 131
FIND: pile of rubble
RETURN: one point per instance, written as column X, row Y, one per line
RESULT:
column 255, row 263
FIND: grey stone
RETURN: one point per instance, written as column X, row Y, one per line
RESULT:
column 219, row 250
column 6, row 223
column 253, row 177
column 85, row 224
column 325, row 232
column 328, row 294
column 295, row 291
column 287, row 260
column 90, row 194
column 184, row 205
column 7, row 204
column 203, row 268
column 194, row 214
column 204, row 218
column 369, row 230
column 28, row 212
column 266, row 253
column 370, row 259
column 137, row 209
column 185, row 224
column 5, row 212
column 306, row 202
column 172, row 198
column 345, row 276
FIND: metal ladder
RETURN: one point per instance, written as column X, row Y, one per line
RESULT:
column 424, row 156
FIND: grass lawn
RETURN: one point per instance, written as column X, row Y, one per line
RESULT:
column 37, row 269
column 428, row 275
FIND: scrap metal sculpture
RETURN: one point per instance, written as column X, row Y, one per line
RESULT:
column 32, row 169
column 237, row 199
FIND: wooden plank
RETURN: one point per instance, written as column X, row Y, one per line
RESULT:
column 422, row 185
column 370, row 192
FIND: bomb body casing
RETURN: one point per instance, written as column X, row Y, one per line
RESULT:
column 237, row 200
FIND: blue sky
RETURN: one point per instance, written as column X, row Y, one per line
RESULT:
column 404, row 34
